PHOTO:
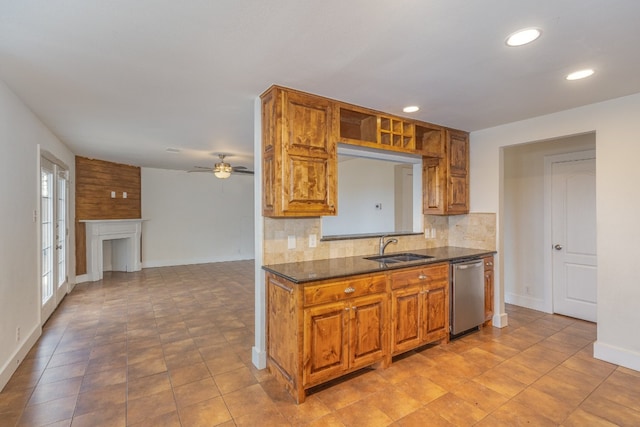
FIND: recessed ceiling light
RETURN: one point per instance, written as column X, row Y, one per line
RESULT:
column 577, row 75
column 411, row 109
column 172, row 150
column 522, row 37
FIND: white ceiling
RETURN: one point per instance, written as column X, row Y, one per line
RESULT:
column 123, row 80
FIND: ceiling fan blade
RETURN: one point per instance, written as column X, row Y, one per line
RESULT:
column 246, row 172
column 235, row 168
column 200, row 169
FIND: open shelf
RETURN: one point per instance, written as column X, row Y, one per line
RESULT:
column 358, row 126
column 430, row 141
column 372, row 129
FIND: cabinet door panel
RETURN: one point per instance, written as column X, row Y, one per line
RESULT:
column 368, row 330
column 282, row 317
column 405, row 306
column 268, row 183
column 458, row 153
column 458, row 195
column 436, row 312
column 325, row 342
column 432, row 185
column 307, row 183
column 488, row 289
column 307, row 124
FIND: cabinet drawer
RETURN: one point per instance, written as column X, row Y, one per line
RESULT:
column 337, row 291
column 421, row 275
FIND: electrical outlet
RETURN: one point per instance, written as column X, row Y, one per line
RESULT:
column 291, row 242
column 18, row 334
column 113, row 194
column 313, row 241
column 124, row 194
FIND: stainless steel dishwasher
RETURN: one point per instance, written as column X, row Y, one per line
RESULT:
column 467, row 295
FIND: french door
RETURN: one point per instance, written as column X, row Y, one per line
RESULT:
column 54, row 235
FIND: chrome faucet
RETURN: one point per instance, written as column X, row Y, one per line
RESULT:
column 383, row 244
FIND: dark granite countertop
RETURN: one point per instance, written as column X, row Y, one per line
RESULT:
column 309, row 271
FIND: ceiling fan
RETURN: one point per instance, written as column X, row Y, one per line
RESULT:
column 222, row 169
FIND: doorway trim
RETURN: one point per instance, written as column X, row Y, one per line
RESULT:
column 549, row 160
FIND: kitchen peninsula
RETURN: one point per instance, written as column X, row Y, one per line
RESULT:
column 326, row 318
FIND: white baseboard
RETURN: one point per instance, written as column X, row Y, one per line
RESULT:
column 526, row 301
column 14, row 361
column 619, row 356
column 258, row 358
column 500, row 320
column 173, row 262
column 82, row 278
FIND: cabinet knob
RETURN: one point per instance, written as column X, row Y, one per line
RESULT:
column 489, row 263
column 349, row 290
column 422, row 276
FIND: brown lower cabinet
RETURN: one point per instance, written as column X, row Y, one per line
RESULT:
column 419, row 306
column 488, row 290
column 322, row 330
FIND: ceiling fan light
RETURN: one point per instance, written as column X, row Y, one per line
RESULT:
column 222, row 170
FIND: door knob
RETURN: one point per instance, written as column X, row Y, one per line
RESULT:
column 558, row 247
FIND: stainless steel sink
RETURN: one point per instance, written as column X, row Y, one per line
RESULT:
column 395, row 258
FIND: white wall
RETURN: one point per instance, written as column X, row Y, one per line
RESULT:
column 617, row 151
column 21, row 137
column 362, row 184
column 195, row 218
column 523, row 217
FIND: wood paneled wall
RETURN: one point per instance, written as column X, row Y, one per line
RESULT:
column 95, row 180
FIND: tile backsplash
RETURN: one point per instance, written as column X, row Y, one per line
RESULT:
column 475, row 230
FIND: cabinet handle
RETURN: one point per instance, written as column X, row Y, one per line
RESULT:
column 347, row 309
column 349, row 290
column 422, row 277
column 489, row 263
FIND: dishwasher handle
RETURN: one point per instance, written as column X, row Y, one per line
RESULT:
column 478, row 263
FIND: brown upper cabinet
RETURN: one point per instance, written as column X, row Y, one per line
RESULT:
column 300, row 133
column 445, row 179
column 299, row 154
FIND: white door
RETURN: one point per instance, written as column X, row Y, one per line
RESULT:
column 54, row 235
column 573, row 210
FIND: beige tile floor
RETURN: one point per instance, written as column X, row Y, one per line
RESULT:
column 172, row 347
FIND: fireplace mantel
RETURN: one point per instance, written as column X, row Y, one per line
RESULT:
column 99, row 230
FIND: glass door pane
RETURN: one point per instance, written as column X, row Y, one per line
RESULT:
column 61, row 228
column 46, row 214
